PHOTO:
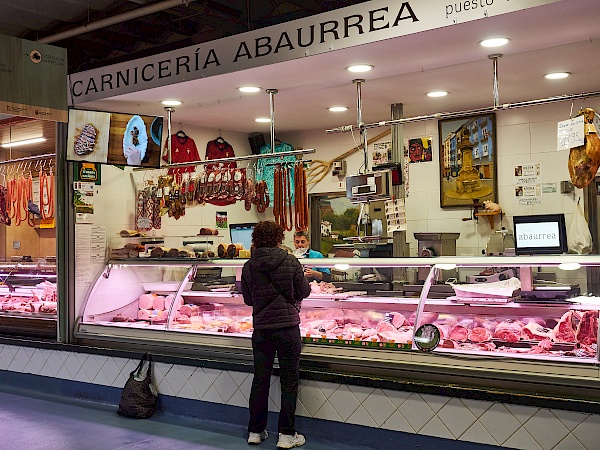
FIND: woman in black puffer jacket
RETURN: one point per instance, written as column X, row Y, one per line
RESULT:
column 273, row 283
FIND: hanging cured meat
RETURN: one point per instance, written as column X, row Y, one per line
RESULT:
column 4, row 217
column 585, row 160
column 282, row 203
column 300, row 198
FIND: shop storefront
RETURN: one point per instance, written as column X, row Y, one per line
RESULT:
column 415, row 328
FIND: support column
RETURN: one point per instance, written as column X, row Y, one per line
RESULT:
column 399, row 243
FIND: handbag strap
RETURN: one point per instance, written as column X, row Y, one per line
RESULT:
column 276, row 286
column 145, row 357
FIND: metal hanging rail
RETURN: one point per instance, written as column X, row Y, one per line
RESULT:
column 29, row 158
column 457, row 114
column 305, row 151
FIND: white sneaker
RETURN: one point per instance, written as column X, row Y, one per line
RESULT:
column 257, row 438
column 290, row 441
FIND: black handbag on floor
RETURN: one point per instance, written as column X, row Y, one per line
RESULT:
column 139, row 396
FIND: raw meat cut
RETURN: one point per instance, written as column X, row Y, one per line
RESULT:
column 426, row 317
column 535, row 331
column 384, row 326
column 158, row 302
column 564, row 331
column 480, row 334
column 448, row 343
column 459, row 333
column 587, row 330
column 146, row 301
column 509, row 330
column 398, row 319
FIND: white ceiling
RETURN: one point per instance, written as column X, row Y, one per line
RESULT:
column 563, row 36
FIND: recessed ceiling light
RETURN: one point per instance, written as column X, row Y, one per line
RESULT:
column 171, row 102
column 437, row 94
column 494, row 42
column 338, row 109
column 249, row 89
column 24, row 142
column 359, row 68
column 556, row 75
column 262, row 119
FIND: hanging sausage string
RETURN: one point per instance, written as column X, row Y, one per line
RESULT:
column 220, row 182
column 17, row 202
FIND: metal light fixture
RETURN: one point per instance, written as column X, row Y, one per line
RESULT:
column 171, row 102
column 556, row 75
column 23, row 142
column 359, row 68
column 437, row 94
column 249, row 89
column 494, row 42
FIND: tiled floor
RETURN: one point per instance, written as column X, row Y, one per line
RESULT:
column 44, row 423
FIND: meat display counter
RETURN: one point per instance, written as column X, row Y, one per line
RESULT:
column 28, row 302
column 505, row 321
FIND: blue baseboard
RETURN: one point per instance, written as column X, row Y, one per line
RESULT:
column 233, row 418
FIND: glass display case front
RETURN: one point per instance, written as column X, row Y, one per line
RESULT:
column 28, row 302
column 500, row 315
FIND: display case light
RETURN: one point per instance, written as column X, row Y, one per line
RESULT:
column 342, row 266
column 569, row 266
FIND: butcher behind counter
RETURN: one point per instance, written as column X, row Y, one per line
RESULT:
column 302, row 243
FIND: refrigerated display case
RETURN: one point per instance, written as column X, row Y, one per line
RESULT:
column 525, row 323
column 28, row 302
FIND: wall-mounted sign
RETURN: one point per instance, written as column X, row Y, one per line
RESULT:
column 33, row 79
column 354, row 25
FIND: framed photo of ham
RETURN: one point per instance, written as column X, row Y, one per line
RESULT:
column 467, row 160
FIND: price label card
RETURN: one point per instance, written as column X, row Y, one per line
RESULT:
column 570, row 133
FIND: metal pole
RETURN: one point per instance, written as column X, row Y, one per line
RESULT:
column 272, row 93
column 494, row 59
column 458, row 114
column 28, row 158
column 169, row 111
column 359, row 121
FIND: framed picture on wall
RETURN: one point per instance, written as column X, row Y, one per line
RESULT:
column 467, row 160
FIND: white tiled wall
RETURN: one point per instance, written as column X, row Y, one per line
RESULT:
column 506, row 425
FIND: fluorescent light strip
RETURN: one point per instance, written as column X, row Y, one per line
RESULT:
column 24, row 142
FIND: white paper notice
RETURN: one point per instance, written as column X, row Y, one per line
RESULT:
column 570, row 133
column 395, row 215
column 528, row 184
column 98, row 245
column 83, row 260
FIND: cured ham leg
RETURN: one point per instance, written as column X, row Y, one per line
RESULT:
column 585, row 160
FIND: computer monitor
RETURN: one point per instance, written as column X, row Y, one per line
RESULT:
column 241, row 233
column 543, row 234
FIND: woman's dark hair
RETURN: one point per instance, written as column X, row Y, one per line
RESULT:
column 267, row 234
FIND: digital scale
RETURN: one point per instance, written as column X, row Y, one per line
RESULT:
column 500, row 276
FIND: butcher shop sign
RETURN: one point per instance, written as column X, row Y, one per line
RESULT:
column 354, row 25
